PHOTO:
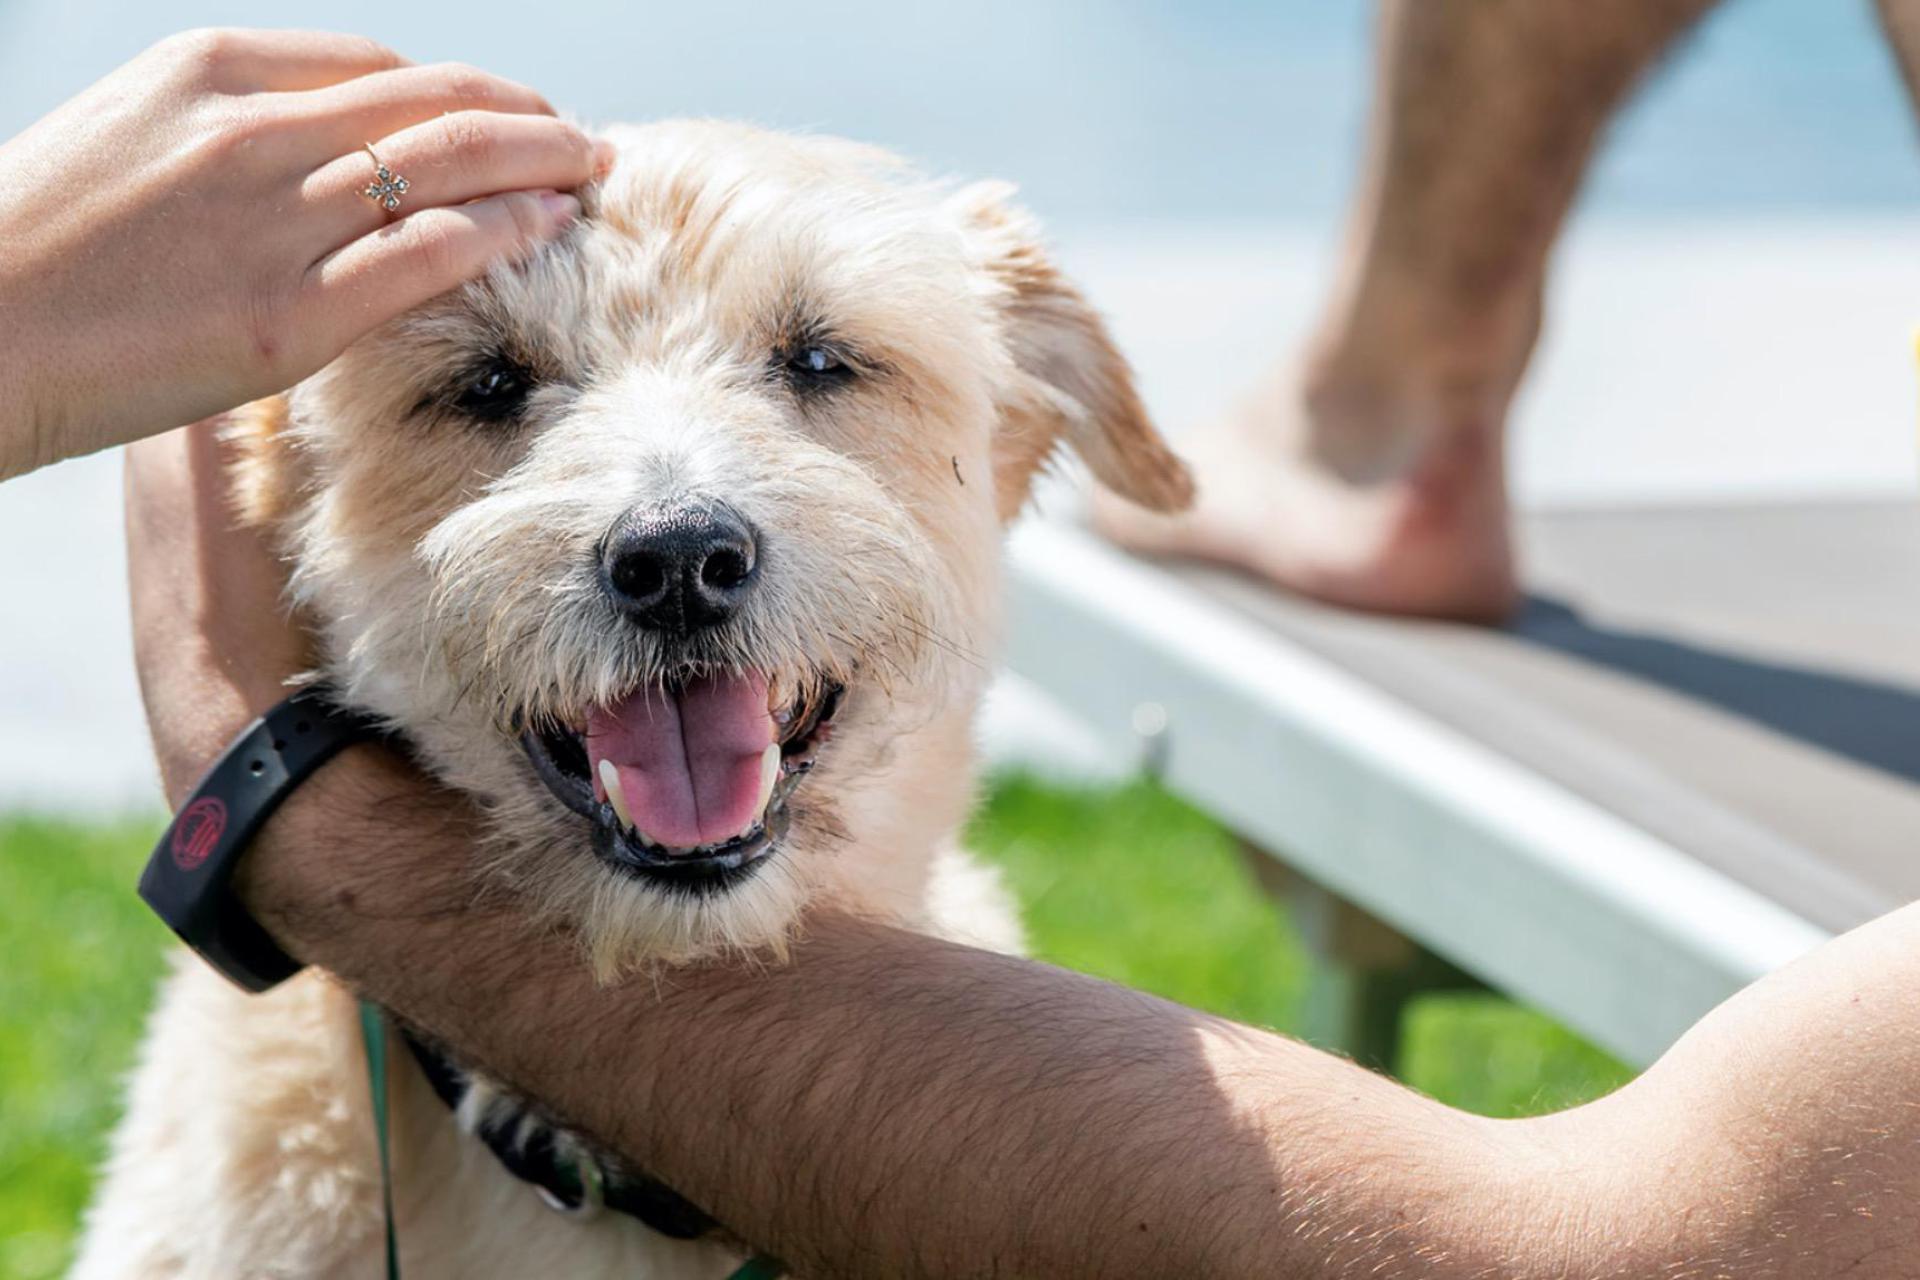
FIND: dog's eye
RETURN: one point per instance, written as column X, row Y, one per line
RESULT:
column 816, row 366
column 818, row 360
column 494, row 392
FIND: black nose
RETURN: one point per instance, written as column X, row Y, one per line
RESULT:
column 680, row 568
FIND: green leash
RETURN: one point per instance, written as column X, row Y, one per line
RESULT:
column 373, row 1038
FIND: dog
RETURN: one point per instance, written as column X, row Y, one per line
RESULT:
column 677, row 546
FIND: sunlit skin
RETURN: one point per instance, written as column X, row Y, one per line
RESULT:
column 1099, row 1132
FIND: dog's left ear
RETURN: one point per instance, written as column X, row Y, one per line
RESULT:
column 1070, row 383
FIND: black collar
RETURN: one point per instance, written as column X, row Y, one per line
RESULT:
column 533, row 1158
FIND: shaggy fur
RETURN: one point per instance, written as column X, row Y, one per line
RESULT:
column 450, row 563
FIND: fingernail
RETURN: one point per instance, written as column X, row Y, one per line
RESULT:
column 603, row 156
column 562, row 208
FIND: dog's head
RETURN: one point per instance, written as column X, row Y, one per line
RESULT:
column 677, row 544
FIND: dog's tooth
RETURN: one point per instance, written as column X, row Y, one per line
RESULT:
column 769, row 774
column 610, row 779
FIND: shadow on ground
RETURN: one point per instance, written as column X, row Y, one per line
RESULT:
column 1872, row 722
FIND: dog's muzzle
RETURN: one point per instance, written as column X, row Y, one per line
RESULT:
column 652, row 826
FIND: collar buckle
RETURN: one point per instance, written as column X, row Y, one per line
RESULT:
column 592, row 1181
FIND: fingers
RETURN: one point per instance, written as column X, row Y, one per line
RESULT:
column 344, row 115
column 248, row 61
column 381, row 275
column 448, row 161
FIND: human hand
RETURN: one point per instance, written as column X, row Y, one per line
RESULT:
column 190, row 233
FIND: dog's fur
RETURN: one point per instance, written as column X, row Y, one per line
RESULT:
column 449, row 566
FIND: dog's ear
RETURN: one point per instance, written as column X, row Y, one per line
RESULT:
column 1070, row 383
column 265, row 477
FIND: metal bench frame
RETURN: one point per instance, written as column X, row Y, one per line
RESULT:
column 1398, row 819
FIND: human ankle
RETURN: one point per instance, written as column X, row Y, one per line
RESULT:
column 1383, row 390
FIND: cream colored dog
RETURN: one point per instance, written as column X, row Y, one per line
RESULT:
column 678, row 547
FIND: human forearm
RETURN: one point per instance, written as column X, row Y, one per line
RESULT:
column 896, row 1106
column 888, row 1105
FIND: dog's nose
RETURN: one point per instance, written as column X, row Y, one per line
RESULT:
column 680, row 568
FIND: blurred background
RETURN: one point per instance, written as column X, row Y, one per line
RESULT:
column 1732, row 317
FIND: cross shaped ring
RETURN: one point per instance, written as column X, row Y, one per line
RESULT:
column 387, row 186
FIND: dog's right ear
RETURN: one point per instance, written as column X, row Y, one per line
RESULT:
column 1071, row 384
column 265, row 478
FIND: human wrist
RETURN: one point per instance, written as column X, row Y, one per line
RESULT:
column 319, row 877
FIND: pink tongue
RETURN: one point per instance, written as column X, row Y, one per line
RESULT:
column 689, row 760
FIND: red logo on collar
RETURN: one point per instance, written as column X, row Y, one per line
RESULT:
column 197, row 832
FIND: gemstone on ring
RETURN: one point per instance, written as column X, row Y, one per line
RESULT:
column 387, row 187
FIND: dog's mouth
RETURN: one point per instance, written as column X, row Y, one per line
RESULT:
column 686, row 783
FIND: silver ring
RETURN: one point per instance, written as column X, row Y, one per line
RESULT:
column 387, row 186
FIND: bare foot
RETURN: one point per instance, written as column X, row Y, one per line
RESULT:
column 1411, row 521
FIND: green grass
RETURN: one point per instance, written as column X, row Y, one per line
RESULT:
column 1131, row 884
column 78, row 957
column 1123, row 882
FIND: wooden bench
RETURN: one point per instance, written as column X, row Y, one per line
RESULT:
column 1695, row 755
